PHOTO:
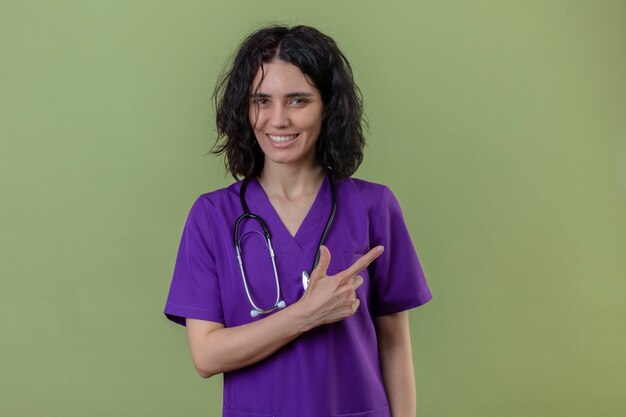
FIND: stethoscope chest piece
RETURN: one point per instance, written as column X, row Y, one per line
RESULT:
column 305, row 280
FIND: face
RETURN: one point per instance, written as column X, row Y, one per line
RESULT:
column 288, row 113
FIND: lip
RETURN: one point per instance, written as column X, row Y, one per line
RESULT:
column 282, row 144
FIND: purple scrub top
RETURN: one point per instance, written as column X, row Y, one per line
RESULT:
column 333, row 369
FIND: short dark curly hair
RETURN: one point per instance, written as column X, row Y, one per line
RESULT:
column 339, row 149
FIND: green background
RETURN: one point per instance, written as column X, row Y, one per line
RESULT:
column 500, row 126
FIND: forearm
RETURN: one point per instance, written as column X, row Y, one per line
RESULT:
column 327, row 299
column 233, row 348
column 399, row 379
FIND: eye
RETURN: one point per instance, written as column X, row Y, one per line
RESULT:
column 299, row 101
column 260, row 101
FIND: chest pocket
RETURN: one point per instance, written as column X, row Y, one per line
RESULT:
column 343, row 260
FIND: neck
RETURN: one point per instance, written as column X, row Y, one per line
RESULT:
column 290, row 182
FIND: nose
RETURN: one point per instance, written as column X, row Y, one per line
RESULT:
column 280, row 116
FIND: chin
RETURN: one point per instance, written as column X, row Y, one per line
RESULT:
column 282, row 161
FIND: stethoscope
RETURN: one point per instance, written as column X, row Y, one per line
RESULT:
column 268, row 241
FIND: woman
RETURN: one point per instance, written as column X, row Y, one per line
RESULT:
column 321, row 329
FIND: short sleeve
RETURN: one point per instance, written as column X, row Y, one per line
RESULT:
column 398, row 282
column 194, row 290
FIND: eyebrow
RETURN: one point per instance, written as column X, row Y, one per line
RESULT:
column 288, row 95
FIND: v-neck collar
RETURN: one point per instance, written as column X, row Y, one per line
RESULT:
column 311, row 228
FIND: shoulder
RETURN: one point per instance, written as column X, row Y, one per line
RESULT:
column 373, row 197
column 363, row 188
column 209, row 207
column 220, row 196
column 371, row 193
column 379, row 199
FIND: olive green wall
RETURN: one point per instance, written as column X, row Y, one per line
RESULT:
column 500, row 126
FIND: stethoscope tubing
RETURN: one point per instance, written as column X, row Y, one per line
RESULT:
column 268, row 241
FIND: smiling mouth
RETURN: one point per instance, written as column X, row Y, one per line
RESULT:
column 282, row 139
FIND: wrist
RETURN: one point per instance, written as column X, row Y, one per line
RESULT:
column 302, row 317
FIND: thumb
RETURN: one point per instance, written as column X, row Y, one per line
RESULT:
column 322, row 264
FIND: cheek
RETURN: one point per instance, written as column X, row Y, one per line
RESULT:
column 312, row 121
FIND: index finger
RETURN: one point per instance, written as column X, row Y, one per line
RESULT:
column 362, row 262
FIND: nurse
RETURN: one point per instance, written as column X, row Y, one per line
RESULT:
column 336, row 344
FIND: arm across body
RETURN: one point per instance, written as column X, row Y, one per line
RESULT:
column 216, row 349
column 328, row 299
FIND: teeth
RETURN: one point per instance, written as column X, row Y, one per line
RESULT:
column 281, row 139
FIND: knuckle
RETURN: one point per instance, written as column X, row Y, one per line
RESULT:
column 350, row 300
